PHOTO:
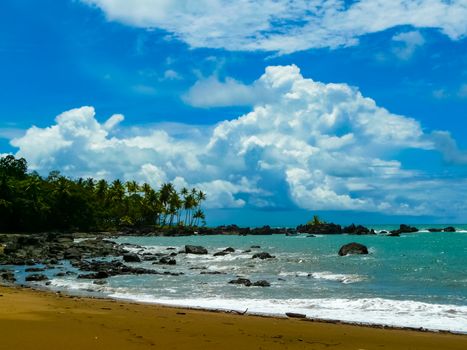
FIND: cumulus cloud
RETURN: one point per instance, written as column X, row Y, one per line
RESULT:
column 409, row 42
column 282, row 25
column 308, row 144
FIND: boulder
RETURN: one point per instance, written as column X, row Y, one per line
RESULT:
column 321, row 229
column 449, row 229
column 95, row 276
column 167, row 260
column 225, row 252
column 131, row 257
column 246, row 282
column 36, row 277
column 195, row 249
column 353, row 248
column 405, row 229
column 263, row 256
column 7, row 276
column 295, row 315
column 435, row 230
column 262, row 283
column 357, row 230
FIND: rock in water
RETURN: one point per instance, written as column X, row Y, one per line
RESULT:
column 353, row 248
column 449, row 229
column 36, row 277
column 262, row 256
column 246, row 282
column 262, row 283
column 195, row 249
column 131, row 257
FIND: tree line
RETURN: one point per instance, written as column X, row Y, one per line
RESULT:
column 30, row 202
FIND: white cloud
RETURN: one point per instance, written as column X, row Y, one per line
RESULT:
column 283, row 25
column 409, row 42
column 306, row 144
column 170, row 74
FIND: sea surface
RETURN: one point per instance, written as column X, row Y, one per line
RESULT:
column 415, row 280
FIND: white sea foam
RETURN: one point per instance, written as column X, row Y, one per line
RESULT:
column 344, row 278
column 398, row 313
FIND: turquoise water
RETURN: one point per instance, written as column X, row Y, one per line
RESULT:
column 416, row 280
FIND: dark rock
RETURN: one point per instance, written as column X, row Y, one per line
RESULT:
column 353, row 248
column 321, row 229
column 222, row 253
column 356, row 230
column 435, row 230
column 7, row 276
column 34, row 269
column 225, row 252
column 166, row 260
column 449, row 229
column 193, row 249
column 246, row 282
column 263, row 256
column 394, row 234
column 211, row 273
column 255, row 247
column 131, row 257
column 310, row 236
column 262, row 283
column 95, row 276
column 36, row 277
column 60, row 274
column 99, row 282
column 295, row 315
column 405, row 229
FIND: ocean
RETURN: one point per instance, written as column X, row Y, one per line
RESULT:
column 415, row 280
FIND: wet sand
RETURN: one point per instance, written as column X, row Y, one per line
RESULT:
column 31, row 319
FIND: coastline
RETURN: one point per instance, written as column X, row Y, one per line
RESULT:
column 37, row 319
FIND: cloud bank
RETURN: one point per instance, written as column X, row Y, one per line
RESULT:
column 282, row 25
column 304, row 144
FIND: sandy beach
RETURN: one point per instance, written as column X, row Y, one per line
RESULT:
column 31, row 319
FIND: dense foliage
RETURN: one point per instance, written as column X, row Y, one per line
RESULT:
column 29, row 202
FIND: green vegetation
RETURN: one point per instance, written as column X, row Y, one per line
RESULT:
column 315, row 221
column 29, row 202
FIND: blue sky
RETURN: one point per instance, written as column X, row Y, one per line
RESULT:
column 277, row 109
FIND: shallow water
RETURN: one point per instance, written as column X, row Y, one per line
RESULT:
column 416, row 280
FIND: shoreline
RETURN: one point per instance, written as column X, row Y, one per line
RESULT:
column 20, row 306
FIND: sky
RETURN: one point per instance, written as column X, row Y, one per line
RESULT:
column 277, row 109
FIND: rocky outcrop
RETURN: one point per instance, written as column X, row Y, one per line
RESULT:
column 358, row 230
column 404, row 229
column 261, row 283
column 262, row 256
column 195, row 249
column 321, row 229
column 353, row 248
column 449, row 229
column 131, row 257
column 104, row 269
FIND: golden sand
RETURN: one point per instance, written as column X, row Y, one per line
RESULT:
column 36, row 320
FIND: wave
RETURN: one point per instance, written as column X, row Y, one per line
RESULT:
column 370, row 311
column 326, row 275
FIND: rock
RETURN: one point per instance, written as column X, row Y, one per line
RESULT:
column 193, row 249
column 357, row 230
column 310, row 236
column 246, row 282
column 295, row 315
column 36, row 277
column 99, row 282
column 262, row 283
column 60, row 274
column 321, row 229
column 405, row 229
column 434, row 229
column 95, row 276
column 353, row 248
column 225, row 252
column 263, row 256
column 449, row 229
column 211, row 273
column 131, row 257
column 7, row 276
column 383, row 232
column 394, row 234
column 166, row 260
column 34, row 269
column 255, row 247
